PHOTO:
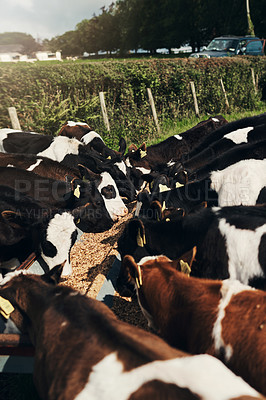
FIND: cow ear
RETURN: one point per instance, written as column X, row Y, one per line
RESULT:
column 132, row 148
column 160, row 184
column 9, row 215
column 157, row 210
column 143, row 147
column 184, row 263
column 69, row 178
column 181, row 178
column 53, row 276
column 132, row 269
column 137, row 231
column 87, row 174
column 122, row 146
column 17, row 228
column 142, row 151
column 13, row 218
column 76, row 185
column 171, row 213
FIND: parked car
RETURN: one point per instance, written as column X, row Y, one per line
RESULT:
column 225, row 46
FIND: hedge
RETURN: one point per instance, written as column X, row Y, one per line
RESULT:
column 47, row 95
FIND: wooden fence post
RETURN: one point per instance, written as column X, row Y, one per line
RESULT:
column 104, row 111
column 224, row 92
column 194, row 98
column 254, row 80
column 14, row 118
column 153, row 110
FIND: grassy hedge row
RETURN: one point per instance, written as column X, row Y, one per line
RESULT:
column 46, row 95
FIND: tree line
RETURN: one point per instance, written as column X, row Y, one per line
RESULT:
column 130, row 25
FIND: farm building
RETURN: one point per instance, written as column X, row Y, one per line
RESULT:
column 14, row 53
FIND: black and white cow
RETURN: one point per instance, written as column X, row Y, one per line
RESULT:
column 232, row 140
column 93, row 201
column 28, row 226
column 236, row 131
column 256, row 151
column 117, row 170
column 115, row 164
column 230, row 242
column 159, row 155
column 242, row 183
column 69, row 152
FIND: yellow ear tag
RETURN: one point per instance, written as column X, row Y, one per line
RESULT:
column 137, row 282
column 144, row 238
column 167, row 219
column 178, row 185
column 139, row 240
column 185, row 267
column 140, row 275
column 109, row 158
column 163, row 188
column 142, row 153
column 77, row 192
column 78, row 221
column 6, row 307
column 164, row 206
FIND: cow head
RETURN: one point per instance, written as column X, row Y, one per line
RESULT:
column 93, row 141
column 16, row 288
column 48, row 233
column 115, row 166
column 108, row 190
column 137, row 157
column 157, row 212
column 20, row 235
column 132, row 242
column 119, row 172
column 89, row 210
column 145, row 200
column 178, row 173
column 59, row 237
column 149, row 273
column 146, row 277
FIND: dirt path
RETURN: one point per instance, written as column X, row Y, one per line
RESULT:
column 92, row 257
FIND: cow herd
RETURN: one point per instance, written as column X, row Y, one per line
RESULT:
column 194, row 254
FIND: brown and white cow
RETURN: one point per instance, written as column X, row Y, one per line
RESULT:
column 82, row 351
column 84, row 133
column 40, row 165
column 230, row 242
column 223, row 318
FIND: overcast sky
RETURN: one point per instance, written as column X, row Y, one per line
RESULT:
column 46, row 18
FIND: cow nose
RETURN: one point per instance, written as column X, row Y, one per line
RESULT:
column 118, row 215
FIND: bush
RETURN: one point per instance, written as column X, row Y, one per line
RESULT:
column 47, row 95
